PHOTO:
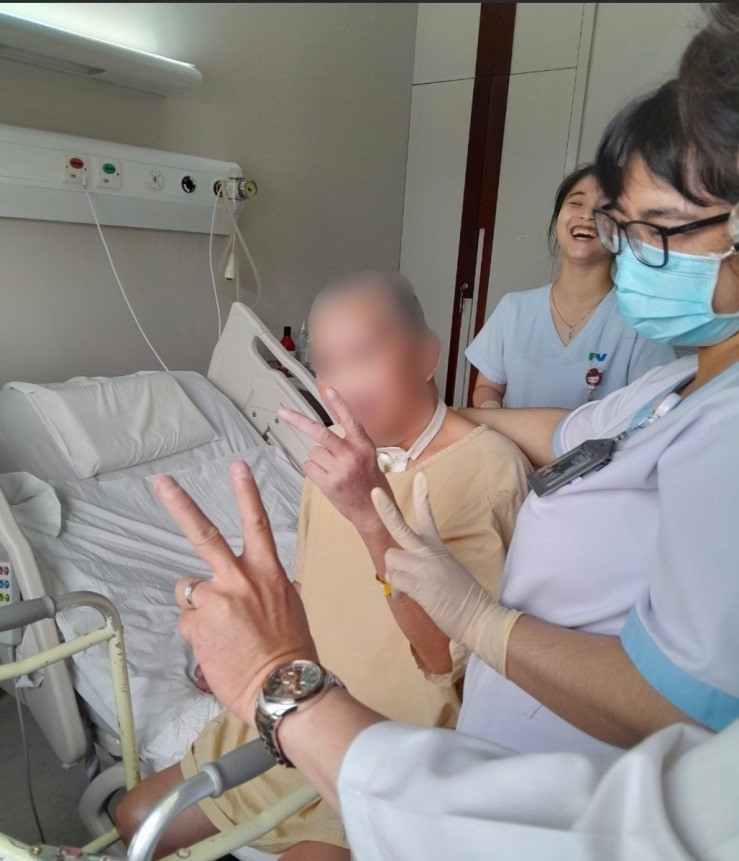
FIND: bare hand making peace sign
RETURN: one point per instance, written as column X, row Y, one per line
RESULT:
column 248, row 619
column 344, row 469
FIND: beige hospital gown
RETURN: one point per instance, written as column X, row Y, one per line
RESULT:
column 476, row 487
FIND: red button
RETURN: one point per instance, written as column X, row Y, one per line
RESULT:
column 76, row 163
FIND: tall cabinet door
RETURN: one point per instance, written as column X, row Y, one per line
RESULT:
column 494, row 122
column 542, row 119
column 495, row 113
column 444, row 71
column 543, row 115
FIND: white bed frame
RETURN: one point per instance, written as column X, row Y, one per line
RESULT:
column 239, row 369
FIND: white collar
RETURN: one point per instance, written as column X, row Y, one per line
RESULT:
column 393, row 458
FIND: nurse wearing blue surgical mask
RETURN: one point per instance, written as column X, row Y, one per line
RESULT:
column 566, row 343
column 619, row 603
column 654, row 301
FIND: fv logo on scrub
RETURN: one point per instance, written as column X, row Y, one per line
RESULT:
column 597, row 357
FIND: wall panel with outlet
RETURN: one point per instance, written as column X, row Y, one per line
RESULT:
column 42, row 176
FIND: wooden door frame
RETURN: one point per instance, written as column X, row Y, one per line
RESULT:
column 482, row 176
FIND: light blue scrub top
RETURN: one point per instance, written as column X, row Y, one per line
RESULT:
column 519, row 347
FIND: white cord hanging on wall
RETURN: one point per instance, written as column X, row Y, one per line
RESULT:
column 231, row 243
column 232, row 192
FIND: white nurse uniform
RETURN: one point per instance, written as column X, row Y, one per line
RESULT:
column 646, row 548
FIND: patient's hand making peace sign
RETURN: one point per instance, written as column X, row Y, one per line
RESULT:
column 248, row 619
column 344, row 468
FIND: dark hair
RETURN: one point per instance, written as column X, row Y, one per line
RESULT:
column 565, row 187
column 651, row 127
column 708, row 97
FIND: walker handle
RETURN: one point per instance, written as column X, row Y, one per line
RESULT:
column 211, row 780
column 238, row 766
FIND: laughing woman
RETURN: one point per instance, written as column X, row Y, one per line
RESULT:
column 566, row 343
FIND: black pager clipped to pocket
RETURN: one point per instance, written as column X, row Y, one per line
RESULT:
column 589, row 456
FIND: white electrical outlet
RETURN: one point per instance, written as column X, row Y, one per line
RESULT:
column 107, row 172
column 75, row 167
column 155, row 180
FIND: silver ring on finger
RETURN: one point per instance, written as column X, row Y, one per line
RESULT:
column 189, row 589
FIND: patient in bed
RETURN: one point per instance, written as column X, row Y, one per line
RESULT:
column 370, row 343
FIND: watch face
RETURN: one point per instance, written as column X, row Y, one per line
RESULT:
column 294, row 681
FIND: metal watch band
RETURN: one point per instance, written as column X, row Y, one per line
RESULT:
column 267, row 724
column 266, row 727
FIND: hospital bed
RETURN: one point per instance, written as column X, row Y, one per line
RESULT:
column 117, row 541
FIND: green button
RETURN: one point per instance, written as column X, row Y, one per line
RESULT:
column 108, row 167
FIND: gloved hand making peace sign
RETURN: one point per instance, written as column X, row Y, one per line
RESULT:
column 426, row 571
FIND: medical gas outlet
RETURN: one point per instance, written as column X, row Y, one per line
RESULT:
column 236, row 189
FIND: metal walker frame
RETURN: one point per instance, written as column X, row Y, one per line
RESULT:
column 212, row 780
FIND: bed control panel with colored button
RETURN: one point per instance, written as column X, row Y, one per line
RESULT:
column 9, row 594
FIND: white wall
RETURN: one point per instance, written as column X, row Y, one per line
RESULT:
column 636, row 47
column 312, row 99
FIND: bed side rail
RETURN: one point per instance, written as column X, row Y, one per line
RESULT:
column 53, row 703
column 239, row 371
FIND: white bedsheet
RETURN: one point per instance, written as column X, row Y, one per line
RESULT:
column 117, row 540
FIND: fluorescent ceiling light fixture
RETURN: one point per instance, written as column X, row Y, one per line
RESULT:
column 27, row 41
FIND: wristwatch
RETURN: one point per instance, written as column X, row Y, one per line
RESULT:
column 283, row 691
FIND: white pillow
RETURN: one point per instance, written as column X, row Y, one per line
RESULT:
column 103, row 424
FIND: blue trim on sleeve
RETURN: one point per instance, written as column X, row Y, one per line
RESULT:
column 709, row 706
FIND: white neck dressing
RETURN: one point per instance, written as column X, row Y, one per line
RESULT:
column 392, row 458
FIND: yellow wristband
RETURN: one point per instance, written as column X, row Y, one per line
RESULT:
column 387, row 589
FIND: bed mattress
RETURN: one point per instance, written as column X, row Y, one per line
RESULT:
column 116, row 539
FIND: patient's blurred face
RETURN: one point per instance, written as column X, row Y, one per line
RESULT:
column 379, row 366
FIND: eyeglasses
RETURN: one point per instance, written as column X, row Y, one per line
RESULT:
column 649, row 242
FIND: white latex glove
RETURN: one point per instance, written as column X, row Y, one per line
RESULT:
column 426, row 571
